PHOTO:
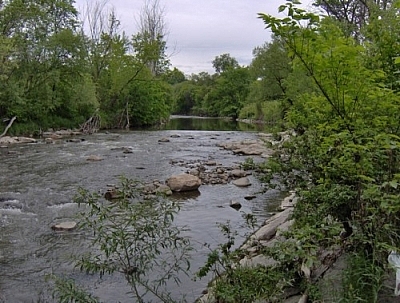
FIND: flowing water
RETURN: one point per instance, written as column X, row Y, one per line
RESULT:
column 38, row 183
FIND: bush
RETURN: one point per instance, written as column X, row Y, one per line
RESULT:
column 133, row 237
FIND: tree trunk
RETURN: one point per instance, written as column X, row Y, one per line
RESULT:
column 8, row 126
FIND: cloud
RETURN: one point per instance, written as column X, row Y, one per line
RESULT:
column 203, row 29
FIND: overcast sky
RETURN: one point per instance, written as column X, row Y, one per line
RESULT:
column 200, row 30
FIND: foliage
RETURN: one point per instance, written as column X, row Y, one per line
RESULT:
column 270, row 67
column 136, row 238
column 224, row 62
column 66, row 291
column 362, row 280
column 344, row 159
column 53, row 75
column 220, row 95
column 248, row 164
column 235, row 283
column 269, row 112
column 228, row 94
column 174, row 76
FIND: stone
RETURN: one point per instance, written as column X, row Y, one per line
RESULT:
column 293, row 299
column 194, row 172
column 8, row 140
column 268, row 231
column 127, row 150
column 235, row 205
column 164, row 140
column 163, row 190
column 332, row 281
column 258, row 260
column 94, row 158
column 238, row 173
column 183, row 182
column 289, row 201
column 68, row 225
column 242, row 182
column 112, row 194
column 75, row 140
column 26, row 140
column 250, row 197
column 284, row 227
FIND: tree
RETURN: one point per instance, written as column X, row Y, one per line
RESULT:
column 224, row 62
column 103, row 28
column 184, row 98
column 47, row 62
column 383, row 43
column 344, row 161
column 229, row 92
column 150, row 43
column 270, row 67
column 174, row 76
column 353, row 15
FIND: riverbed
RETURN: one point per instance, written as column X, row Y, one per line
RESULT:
column 38, row 183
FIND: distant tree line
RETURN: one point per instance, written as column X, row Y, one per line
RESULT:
column 56, row 74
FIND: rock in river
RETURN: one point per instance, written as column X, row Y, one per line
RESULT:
column 242, row 182
column 69, row 225
column 235, row 205
column 94, row 158
column 183, row 182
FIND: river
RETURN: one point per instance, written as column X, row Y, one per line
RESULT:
column 38, row 183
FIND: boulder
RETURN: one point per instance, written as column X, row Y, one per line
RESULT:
column 242, row 182
column 183, row 182
column 164, row 140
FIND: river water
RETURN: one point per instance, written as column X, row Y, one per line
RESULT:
column 38, row 183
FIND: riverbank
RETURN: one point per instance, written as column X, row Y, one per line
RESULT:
column 272, row 231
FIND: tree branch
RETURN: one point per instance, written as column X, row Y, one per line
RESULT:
column 8, row 126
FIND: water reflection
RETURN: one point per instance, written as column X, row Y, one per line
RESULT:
column 210, row 124
column 184, row 196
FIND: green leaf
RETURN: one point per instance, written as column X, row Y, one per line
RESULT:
column 281, row 8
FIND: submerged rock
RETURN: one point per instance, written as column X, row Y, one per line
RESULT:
column 242, row 182
column 94, row 158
